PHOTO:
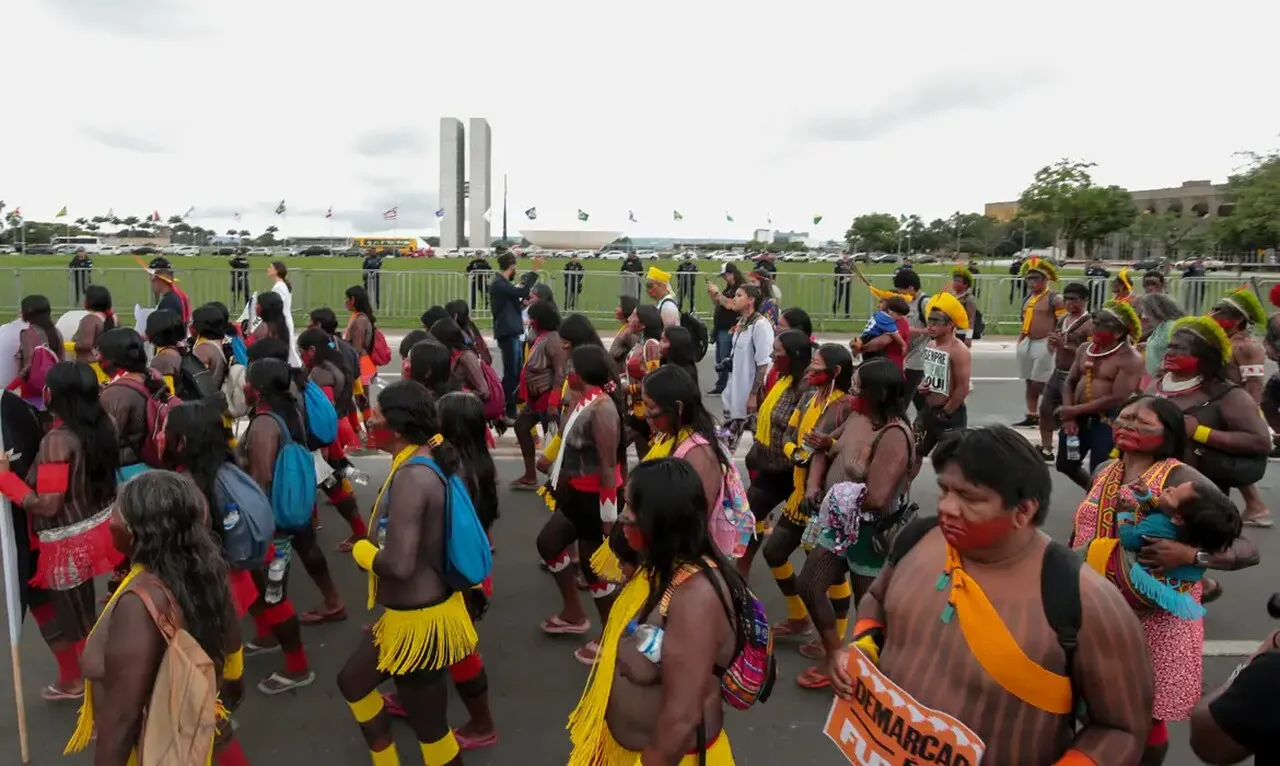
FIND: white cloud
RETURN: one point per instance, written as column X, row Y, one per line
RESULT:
column 757, row 109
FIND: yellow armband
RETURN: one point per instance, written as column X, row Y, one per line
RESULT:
column 788, row 448
column 1201, row 434
column 868, row 646
column 364, row 552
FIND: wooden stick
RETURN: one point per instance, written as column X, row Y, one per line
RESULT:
column 23, row 747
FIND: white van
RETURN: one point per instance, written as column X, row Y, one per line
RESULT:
column 92, row 245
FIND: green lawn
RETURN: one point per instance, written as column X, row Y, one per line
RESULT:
column 410, row 285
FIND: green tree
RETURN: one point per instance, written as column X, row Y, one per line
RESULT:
column 873, row 232
column 1102, row 210
column 1065, row 196
column 1254, row 222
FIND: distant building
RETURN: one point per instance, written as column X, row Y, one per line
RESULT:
column 114, row 241
column 762, row 235
column 453, row 144
column 338, row 243
column 787, row 237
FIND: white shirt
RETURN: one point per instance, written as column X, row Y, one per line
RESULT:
column 752, row 348
column 669, row 310
column 281, row 289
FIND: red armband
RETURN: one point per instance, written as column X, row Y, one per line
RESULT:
column 13, row 487
column 52, row 478
column 866, row 625
column 554, row 401
column 608, row 504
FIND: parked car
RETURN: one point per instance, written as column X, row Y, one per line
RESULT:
column 145, row 250
column 307, row 252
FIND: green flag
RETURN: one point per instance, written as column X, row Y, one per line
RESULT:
column 817, row 219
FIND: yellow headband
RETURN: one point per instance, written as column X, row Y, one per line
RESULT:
column 951, row 306
column 658, row 275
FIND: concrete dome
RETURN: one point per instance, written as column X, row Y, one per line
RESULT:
column 570, row 239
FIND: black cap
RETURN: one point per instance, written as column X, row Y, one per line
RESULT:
column 160, row 262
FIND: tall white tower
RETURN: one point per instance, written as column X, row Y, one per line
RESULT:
column 452, row 177
column 481, row 183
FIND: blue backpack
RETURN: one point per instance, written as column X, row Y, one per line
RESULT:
column 293, row 482
column 248, row 524
column 321, row 416
column 239, row 351
column 467, row 561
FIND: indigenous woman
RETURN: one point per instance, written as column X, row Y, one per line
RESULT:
column 818, row 414
column 859, row 487
column 130, row 387
column 460, row 313
column 962, row 287
column 645, row 355
column 66, row 496
column 209, row 323
column 1151, row 438
column 678, row 350
column 327, row 369
column 359, row 334
column 274, row 321
column 269, row 389
column 576, row 330
column 430, row 363
column 196, row 445
column 585, row 479
column 624, row 339
column 796, row 319
column 540, row 381
column 424, row 627
column 166, row 332
column 411, row 339
column 667, row 709
column 84, row 343
column 179, row 577
column 769, row 467
column 39, row 337
column 467, row 373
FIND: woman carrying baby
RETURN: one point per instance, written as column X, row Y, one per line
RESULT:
column 1152, row 525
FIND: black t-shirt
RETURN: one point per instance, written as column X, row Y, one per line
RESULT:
column 1249, row 710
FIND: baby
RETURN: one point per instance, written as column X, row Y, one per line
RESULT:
column 1193, row 513
column 885, row 322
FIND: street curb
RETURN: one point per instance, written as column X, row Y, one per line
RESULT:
column 979, row 348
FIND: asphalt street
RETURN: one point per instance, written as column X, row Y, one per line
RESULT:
column 535, row 680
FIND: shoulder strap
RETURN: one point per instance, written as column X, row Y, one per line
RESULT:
column 1215, row 398
column 1060, row 592
column 907, row 538
column 911, row 442
column 682, row 576
column 164, row 622
column 286, row 438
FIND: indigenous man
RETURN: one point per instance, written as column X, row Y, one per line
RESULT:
column 1271, row 392
column 1106, row 372
column 1073, row 330
column 984, row 642
column 947, row 368
column 962, row 287
column 1122, row 287
column 1152, row 282
column 1237, row 314
column 1040, row 312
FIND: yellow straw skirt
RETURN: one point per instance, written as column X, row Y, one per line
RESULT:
column 431, row 638
column 718, row 754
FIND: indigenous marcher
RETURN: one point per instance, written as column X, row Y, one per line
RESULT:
column 84, row 343
column 768, row 465
column 859, row 490
column 677, row 349
column 209, row 324
column 1151, row 439
column 1158, row 313
column 430, row 363
column 467, row 372
column 907, row 283
column 432, row 315
column 624, row 339
column 1238, row 313
column 657, row 284
column 130, row 388
column 1004, row 674
column 1106, row 372
column 1122, row 286
column 167, row 333
column 270, row 390
column 1040, row 312
column 541, row 378
column 796, row 319
column 178, row 581
column 273, row 320
column 945, row 386
column 424, row 626
column 748, row 358
column 40, row 347
column 822, row 408
column 169, row 297
column 621, row 719
column 962, row 288
column 1073, row 330
column 645, row 324
column 66, row 496
column 585, row 479
column 460, row 313
column 359, row 335
column 413, row 338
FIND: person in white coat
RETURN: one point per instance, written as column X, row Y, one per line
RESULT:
column 280, row 285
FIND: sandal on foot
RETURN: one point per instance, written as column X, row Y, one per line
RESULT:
column 554, row 626
column 518, row 485
column 588, row 654
column 813, row 650
column 787, row 629
column 321, row 616
column 1262, row 521
column 813, row 678
column 346, row 545
column 52, row 693
column 277, row 684
column 391, row 705
column 1046, row 454
column 475, row 743
column 251, row 649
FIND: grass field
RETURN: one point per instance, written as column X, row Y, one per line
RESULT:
column 410, row 285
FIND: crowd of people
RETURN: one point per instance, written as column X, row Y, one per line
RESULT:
column 183, row 463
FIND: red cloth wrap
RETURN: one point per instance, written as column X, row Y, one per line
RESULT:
column 592, row 483
column 554, row 401
column 71, row 560
column 13, row 487
column 243, row 590
column 467, row 668
column 489, row 441
column 52, row 478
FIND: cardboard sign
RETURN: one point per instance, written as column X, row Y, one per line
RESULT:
column 937, row 370
column 884, row 726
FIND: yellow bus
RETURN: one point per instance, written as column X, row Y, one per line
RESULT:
column 401, row 245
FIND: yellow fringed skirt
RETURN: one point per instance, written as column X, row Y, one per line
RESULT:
column 718, row 753
column 606, row 564
column 430, row 638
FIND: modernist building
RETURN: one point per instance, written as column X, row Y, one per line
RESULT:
column 480, row 182
column 452, row 181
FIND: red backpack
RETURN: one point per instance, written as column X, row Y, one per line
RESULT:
column 495, row 405
column 43, row 359
column 151, row 451
column 379, row 351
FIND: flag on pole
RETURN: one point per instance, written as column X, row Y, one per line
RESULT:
column 631, row 216
column 486, row 216
column 582, row 215
column 237, row 217
column 329, row 214
column 531, row 214
column 768, row 218
column 280, row 208
column 111, row 212
column 817, row 219
column 190, row 210
column 728, row 217
column 675, row 215
column 440, row 213
column 155, row 215
column 62, row 213
column 391, row 214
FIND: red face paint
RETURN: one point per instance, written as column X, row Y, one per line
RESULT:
column 1228, row 325
column 1104, row 338
column 819, row 378
column 976, row 535
column 782, row 364
column 575, row 381
column 634, row 537
column 379, row 438
column 1181, row 363
column 1131, row 440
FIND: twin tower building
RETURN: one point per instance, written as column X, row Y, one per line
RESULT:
column 455, row 189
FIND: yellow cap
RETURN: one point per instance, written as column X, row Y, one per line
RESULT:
column 658, row 275
column 951, row 306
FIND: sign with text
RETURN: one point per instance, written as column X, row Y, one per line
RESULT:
column 884, row 726
column 937, row 370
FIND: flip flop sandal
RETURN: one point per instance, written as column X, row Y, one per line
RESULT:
column 813, row 650
column 52, row 693
column 346, row 545
column 392, row 706
column 322, row 616
column 588, row 654
column 1046, row 454
column 554, row 626
column 475, row 743
column 1262, row 521
column 787, row 629
column 813, row 678
column 521, row 486
column 277, row 684
column 251, row 649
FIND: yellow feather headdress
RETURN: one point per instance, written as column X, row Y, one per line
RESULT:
column 1209, row 331
column 1035, row 263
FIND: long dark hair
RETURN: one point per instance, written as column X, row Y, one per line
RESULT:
column 196, row 443
column 325, row 319
column 461, row 313
column 450, row 334
column 165, row 329
column 410, row 411
column 282, row 271
column 799, row 350
column 680, row 351
column 272, row 379
column 73, row 399
column 321, row 342
column 1170, row 416
column 596, row 368
column 672, row 389
column 836, row 355
column 98, row 298
column 210, row 322
column 360, row 302
column 732, row 277
column 545, row 316
column 413, row 338
column 271, row 310
column 172, row 541
column 462, row 423
column 650, row 322
column 670, row 508
column 798, row 319
column 577, row 330
column 431, row 365
column 880, row 387
column 37, row 312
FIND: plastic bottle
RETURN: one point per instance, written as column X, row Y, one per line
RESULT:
column 648, row 640
column 382, row 532
column 1073, row 447
column 275, row 578
column 230, row 517
column 356, row 476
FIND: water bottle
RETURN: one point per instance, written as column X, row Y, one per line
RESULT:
column 382, row 532
column 275, row 578
column 648, row 640
column 356, row 476
column 230, row 517
column 1073, row 447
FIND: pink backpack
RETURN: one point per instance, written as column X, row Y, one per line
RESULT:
column 43, row 359
column 732, row 524
column 496, row 405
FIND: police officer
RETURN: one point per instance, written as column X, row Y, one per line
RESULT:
column 371, row 275
column 239, row 279
column 478, row 275
column 632, row 269
column 81, row 267
column 572, row 282
column 686, row 281
column 844, row 283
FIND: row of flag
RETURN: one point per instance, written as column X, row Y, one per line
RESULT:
column 676, row 215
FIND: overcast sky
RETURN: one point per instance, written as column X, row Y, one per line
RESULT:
column 755, row 109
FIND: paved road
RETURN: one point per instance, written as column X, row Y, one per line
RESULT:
column 535, row 680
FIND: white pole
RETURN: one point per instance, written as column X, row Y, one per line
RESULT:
column 13, row 610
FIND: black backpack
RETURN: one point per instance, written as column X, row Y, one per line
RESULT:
column 195, row 380
column 1059, row 592
column 697, row 330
